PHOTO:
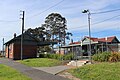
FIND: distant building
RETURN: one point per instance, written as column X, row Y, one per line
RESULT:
column 30, row 44
column 59, row 51
column 81, row 48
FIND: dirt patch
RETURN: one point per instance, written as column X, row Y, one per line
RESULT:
column 68, row 75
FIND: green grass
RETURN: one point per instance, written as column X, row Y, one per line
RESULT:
column 41, row 62
column 101, row 71
column 8, row 73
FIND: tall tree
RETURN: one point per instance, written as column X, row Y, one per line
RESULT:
column 55, row 24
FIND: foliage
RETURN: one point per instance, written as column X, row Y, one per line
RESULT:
column 44, row 49
column 41, row 62
column 55, row 24
column 57, row 56
column 101, row 71
column 51, row 56
column 39, row 33
column 7, row 73
column 68, row 56
column 107, row 56
column 114, row 57
column 101, row 56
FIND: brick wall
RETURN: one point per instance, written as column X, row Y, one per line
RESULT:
column 29, row 51
column 9, row 50
column 6, row 51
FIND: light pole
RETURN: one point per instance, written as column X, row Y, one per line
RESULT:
column 88, row 12
column 23, row 13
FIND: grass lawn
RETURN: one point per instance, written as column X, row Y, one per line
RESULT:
column 8, row 73
column 101, row 71
column 40, row 62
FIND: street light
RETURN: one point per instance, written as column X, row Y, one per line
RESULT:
column 88, row 12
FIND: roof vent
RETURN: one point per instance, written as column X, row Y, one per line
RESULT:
column 14, row 35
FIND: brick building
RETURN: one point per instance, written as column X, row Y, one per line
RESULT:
column 30, row 44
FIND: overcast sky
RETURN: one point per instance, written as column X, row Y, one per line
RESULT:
column 37, row 10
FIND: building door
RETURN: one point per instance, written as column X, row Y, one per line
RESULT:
column 8, row 51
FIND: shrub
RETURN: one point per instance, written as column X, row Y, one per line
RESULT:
column 56, row 56
column 101, row 56
column 41, row 55
column 68, row 57
column 114, row 57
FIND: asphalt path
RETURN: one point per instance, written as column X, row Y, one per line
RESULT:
column 33, row 73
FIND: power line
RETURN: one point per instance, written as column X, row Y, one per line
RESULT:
column 108, row 33
column 83, row 26
column 107, row 29
column 9, row 21
column 101, row 31
column 105, row 20
column 76, row 27
column 57, row 5
column 106, row 11
column 47, row 9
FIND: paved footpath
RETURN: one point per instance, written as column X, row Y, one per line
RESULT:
column 54, row 70
column 35, row 74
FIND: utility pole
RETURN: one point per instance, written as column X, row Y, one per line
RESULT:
column 3, row 48
column 87, row 11
column 23, row 13
column 64, row 39
column 102, row 47
column 59, row 41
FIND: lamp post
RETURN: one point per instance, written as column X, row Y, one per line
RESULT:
column 88, row 12
column 23, row 13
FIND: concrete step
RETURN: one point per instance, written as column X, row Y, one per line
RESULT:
column 78, row 62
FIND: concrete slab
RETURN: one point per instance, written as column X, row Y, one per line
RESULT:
column 54, row 70
column 78, row 63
